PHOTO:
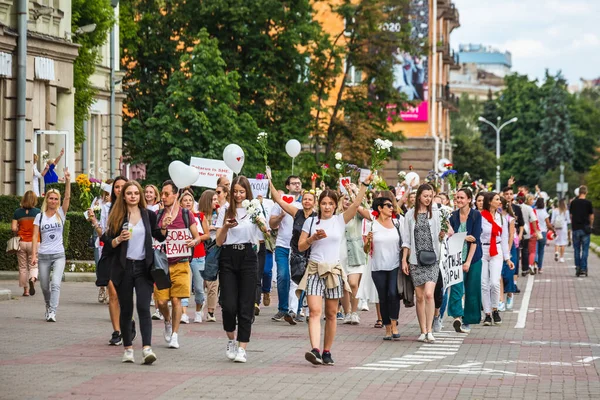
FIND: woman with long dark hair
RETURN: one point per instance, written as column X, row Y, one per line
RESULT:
column 422, row 235
column 494, row 242
column 128, row 237
column 324, row 276
column 209, row 206
column 507, row 283
column 237, row 235
column 466, row 219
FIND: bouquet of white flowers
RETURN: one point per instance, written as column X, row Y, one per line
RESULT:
column 254, row 212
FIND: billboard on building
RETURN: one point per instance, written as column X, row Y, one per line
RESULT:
column 411, row 73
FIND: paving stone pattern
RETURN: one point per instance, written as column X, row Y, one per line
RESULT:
column 556, row 355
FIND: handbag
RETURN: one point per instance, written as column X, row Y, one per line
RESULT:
column 12, row 246
column 103, row 268
column 299, row 261
column 211, row 262
column 160, row 269
column 426, row 257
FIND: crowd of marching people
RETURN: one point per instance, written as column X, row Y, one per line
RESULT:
column 334, row 251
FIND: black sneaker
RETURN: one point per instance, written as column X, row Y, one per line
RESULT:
column 496, row 317
column 116, row 339
column 327, row 360
column 313, row 357
column 488, row 320
column 290, row 319
column 577, row 271
column 517, row 290
column 133, row 332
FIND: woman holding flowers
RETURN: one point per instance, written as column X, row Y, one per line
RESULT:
column 237, row 234
column 422, row 234
column 324, row 276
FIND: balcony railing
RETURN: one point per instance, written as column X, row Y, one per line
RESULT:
column 448, row 99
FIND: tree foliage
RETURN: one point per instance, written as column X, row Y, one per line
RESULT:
column 99, row 12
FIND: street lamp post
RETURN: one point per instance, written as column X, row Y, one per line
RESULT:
column 498, row 129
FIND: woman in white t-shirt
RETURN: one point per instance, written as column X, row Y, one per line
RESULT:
column 560, row 221
column 384, row 238
column 237, row 235
column 48, row 248
column 324, row 276
column 544, row 225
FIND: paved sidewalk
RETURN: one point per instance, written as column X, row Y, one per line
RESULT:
column 555, row 356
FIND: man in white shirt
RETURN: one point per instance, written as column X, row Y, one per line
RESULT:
column 284, row 223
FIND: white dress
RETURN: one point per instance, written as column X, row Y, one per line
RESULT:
column 367, row 290
column 562, row 235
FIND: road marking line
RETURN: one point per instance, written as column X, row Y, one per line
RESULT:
column 386, row 365
column 400, row 361
column 441, row 353
column 424, row 358
column 375, row 369
column 436, row 345
column 522, row 319
column 588, row 359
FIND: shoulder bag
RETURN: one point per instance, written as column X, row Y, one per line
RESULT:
column 160, row 269
column 299, row 261
column 211, row 262
column 12, row 246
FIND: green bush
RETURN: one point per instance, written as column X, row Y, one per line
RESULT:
column 8, row 205
column 75, row 238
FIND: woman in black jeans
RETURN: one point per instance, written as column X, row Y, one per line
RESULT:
column 237, row 235
column 128, row 238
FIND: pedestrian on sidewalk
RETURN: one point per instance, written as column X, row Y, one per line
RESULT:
column 209, row 206
column 508, row 286
column 423, row 232
column 582, row 221
column 544, row 226
column 22, row 226
column 128, row 238
column 467, row 219
column 48, row 245
column 324, row 276
column 237, row 235
column 494, row 243
column 560, row 221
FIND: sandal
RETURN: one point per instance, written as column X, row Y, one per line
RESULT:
column 378, row 324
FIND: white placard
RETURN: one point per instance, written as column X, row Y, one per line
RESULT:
column 451, row 259
column 345, row 180
column 210, row 171
column 260, row 187
column 175, row 243
column 364, row 174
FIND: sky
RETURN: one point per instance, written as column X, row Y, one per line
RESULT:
column 540, row 34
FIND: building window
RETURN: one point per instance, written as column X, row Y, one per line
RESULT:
column 354, row 76
column 348, row 27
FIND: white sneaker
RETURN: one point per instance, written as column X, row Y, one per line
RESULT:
column 46, row 313
column 240, row 355
column 174, row 343
column 437, row 324
column 430, row 338
column 422, row 337
column 348, row 319
column 128, row 356
column 51, row 316
column 509, row 303
column 561, row 260
column 231, row 351
column 157, row 316
column 502, row 306
column 198, row 317
column 355, row 319
column 168, row 332
column 152, row 303
column 149, row 356
column 184, row 319
column 363, row 305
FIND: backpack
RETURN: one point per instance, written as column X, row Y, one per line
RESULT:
column 559, row 222
column 185, row 214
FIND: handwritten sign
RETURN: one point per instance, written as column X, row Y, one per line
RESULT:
column 451, row 259
column 260, row 187
column 364, row 174
column 210, row 171
column 175, row 244
column 343, row 182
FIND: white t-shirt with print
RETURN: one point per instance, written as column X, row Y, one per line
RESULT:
column 326, row 250
column 51, row 232
column 528, row 217
column 244, row 232
column 286, row 226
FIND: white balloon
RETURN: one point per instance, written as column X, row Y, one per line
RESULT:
column 442, row 164
column 412, row 179
column 233, row 155
column 293, row 147
column 576, row 191
column 182, row 174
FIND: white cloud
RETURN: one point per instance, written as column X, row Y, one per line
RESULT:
column 527, row 48
column 587, row 40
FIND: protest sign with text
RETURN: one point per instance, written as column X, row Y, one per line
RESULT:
column 451, row 259
column 210, row 171
column 175, row 244
column 260, row 187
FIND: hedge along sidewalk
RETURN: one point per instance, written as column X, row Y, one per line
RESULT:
column 76, row 235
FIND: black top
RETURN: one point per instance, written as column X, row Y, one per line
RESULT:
column 299, row 220
column 117, row 269
column 580, row 210
column 519, row 222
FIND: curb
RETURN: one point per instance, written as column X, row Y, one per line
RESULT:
column 595, row 248
column 68, row 277
column 5, row 294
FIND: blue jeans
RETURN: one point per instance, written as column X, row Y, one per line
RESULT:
column 51, row 289
column 581, row 245
column 196, row 266
column 282, row 257
column 541, row 246
column 268, row 273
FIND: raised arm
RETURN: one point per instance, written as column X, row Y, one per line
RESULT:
column 288, row 208
column 67, row 198
column 57, row 159
column 351, row 211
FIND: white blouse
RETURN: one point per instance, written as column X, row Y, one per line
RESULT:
column 502, row 241
column 245, row 232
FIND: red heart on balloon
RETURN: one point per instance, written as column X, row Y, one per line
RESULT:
column 287, row 199
column 345, row 182
column 239, row 158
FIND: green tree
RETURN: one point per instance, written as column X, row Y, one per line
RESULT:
column 584, row 111
column 555, row 136
column 99, row 12
column 198, row 115
column 593, row 182
column 469, row 153
column 490, row 112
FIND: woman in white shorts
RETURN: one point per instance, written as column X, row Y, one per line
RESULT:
column 324, row 276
